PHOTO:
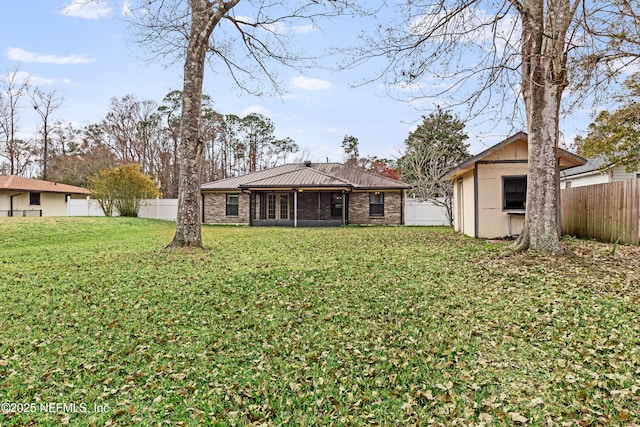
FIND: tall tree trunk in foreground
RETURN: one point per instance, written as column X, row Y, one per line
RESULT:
column 204, row 17
column 544, row 77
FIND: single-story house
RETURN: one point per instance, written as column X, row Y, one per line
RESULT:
column 489, row 190
column 21, row 196
column 305, row 194
column 597, row 170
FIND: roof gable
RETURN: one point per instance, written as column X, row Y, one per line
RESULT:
column 19, row 183
column 496, row 152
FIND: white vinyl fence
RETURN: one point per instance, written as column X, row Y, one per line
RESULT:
column 416, row 212
column 424, row 213
column 166, row 209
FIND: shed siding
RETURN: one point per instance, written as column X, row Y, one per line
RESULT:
column 468, row 202
column 517, row 150
column 492, row 220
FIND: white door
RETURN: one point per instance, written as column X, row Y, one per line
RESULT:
column 278, row 206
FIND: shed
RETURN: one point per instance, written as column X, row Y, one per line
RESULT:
column 489, row 191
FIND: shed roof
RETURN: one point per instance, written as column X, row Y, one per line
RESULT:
column 567, row 158
column 19, row 183
column 317, row 175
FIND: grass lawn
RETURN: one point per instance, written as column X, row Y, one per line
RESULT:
column 343, row 326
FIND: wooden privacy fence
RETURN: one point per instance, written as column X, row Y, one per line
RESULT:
column 605, row 212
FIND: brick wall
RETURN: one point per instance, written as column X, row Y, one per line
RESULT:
column 359, row 209
column 215, row 209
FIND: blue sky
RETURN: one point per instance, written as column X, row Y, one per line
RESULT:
column 87, row 54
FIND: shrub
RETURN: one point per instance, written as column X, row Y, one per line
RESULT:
column 123, row 188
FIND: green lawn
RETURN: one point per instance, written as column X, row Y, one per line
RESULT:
column 342, row 326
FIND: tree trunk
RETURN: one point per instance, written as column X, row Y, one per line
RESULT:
column 544, row 78
column 203, row 20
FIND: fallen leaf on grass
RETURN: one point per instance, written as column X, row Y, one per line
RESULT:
column 518, row 418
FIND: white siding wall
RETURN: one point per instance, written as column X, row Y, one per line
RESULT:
column 581, row 181
column 617, row 173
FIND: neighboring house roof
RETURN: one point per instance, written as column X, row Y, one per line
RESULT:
column 309, row 175
column 18, row 183
column 569, row 158
column 594, row 164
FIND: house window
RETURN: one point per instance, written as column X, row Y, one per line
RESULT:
column 336, row 204
column 514, row 192
column 376, row 203
column 232, row 204
column 567, row 184
column 34, row 199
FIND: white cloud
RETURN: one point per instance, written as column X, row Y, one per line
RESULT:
column 22, row 77
column 87, row 9
column 308, row 83
column 17, row 54
column 256, row 109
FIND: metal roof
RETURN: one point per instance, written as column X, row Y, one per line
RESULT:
column 304, row 177
column 19, row 183
column 295, row 175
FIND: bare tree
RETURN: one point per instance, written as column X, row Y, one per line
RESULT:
column 436, row 146
column 45, row 104
column 487, row 54
column 249, row 48
column 12, row 89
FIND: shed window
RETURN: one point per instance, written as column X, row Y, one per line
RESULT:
column 34, row 199
column 376, row 203
column 514, row 192
column 232, row 204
